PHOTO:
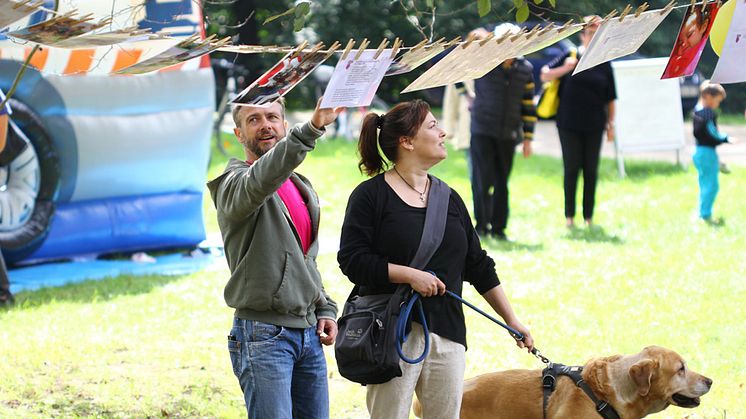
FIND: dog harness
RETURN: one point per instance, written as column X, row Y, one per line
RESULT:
column 549, row 379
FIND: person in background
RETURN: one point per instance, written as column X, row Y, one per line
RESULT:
column 586, row 108
column 381, row 233
column 269, row 218
column 708, row 137
column 503, row 115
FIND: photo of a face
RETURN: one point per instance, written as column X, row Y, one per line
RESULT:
column 695, row 29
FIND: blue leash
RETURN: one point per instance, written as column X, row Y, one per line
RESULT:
column 406, row 312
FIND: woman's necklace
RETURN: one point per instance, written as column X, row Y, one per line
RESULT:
column 422, row 194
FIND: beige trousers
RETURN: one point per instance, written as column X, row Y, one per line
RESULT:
column 438, row 381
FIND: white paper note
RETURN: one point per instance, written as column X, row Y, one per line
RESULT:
column 354, row 82
column 730, row 67
column 616, row 39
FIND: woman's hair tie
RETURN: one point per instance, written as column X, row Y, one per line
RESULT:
column 379, row 120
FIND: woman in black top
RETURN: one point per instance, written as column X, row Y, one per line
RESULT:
column 586, row 109
column 380, row 236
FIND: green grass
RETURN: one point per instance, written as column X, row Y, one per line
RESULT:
column 651, row 274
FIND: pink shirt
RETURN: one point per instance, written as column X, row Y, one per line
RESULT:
column 298, row 212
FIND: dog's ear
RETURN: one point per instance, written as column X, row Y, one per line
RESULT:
column 642, row 374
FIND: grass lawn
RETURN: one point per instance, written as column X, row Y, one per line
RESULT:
column 650, row 274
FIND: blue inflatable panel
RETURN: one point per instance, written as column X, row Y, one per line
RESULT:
column 124, row 224
column 56, row 274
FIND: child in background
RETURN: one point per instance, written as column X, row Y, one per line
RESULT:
column 708, row 138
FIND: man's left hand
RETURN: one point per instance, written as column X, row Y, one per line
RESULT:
column 327, row 331
column 324, row 117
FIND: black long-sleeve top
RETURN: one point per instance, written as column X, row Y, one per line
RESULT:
column 380, row 228
column 705, row 125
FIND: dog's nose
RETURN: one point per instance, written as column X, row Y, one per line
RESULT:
column 708, row 382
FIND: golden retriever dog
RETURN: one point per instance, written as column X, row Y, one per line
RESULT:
column 634, row 385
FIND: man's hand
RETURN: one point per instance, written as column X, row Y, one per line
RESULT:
column 327, row 331
column 527, row 148
column 324, row 117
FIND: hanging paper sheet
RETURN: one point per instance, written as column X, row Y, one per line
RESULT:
column 414, row 58
column 695, row 29
column 617, row 38
column 186, row 50
column 58, row 29
column 280, row 79
column 356, row 79
column 730, row 67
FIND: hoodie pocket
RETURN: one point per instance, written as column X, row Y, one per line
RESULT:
column 297, row 291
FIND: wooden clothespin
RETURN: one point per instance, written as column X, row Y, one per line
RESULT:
column 546, row 29
column 419, row 45
column 316, row 48
column 445, row 45
column 520, row 33
column 565, row 26
column 395, row 47
column 381, row 46
column 720, row 3
column 626, row 11
column 487, row 38
column 533, row 32
column 668, row 7
column 694, row 3
column 348, row 48
column 504, row 36
column 335, row 46
column 299, row 49
column 469, row 40
column 609, row 16
column 641, row 9
column 360, row 50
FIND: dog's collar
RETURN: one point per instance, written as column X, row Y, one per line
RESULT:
column 549, row 378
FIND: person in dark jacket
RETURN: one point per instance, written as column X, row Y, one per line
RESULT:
column 708, row 137
column 381, row 233
column 503, row 115
column 586, row 109
column 269, row 218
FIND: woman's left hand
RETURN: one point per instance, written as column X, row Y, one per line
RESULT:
column 528, row 340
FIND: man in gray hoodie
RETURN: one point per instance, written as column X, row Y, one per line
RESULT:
column 269, row 218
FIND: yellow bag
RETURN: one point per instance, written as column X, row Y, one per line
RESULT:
column 549, row 100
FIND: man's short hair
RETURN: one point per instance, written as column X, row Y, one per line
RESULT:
column 236, row 111
column 711, row 89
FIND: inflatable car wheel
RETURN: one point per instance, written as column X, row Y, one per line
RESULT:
column 28, row 185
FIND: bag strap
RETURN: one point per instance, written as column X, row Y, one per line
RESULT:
column 435, row 222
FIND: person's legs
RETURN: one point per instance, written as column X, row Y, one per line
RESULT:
column 393, row 400
column 706, row 162
column 592, row 141
column 482, row 151
column 263, row 356
column 441, row 383
column 571, row 162
column 309, row 389
column 500, row 199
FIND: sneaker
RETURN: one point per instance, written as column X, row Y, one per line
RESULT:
column 715, row 222
column 724, row 169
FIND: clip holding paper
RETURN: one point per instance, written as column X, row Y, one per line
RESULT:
column 335, row 46
column 362, row 47
column 348, row 48
column 381, row 46
column 419, row 45
column 395, row 47
column 668, row 7
column 486, row 38
column 625, row 12
column 641, row 9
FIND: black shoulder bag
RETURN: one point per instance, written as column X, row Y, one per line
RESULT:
column 366, row 343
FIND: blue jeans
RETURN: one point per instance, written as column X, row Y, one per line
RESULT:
column 282, row 371
column 707, row 164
